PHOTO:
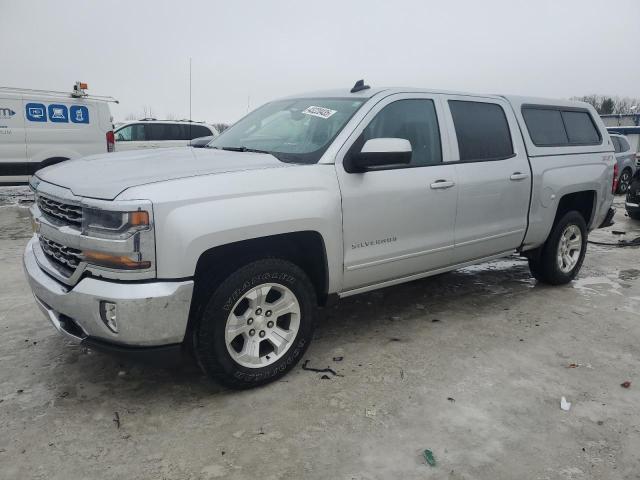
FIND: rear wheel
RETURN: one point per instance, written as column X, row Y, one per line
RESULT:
column 257, row 324
column 559, row 260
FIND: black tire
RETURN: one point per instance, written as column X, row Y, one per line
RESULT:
column 209, row 334
column 543, row 262
column 624, row 182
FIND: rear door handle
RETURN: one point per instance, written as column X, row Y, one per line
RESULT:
column 519, row 176
column 442, row 184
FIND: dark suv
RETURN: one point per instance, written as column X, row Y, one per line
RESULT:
column 633, row 197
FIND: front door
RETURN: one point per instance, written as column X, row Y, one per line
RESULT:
column 399, row 221
column 132, row 137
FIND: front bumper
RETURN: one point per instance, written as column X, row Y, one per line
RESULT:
column 149, row 314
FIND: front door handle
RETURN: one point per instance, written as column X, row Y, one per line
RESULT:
column 519, row 176
column 441, row 184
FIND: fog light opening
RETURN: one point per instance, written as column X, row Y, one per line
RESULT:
column 109, row 315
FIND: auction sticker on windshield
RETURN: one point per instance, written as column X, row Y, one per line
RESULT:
column 319, row 111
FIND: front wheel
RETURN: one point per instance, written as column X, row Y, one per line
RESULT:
column 559, row 260
column 257, row 324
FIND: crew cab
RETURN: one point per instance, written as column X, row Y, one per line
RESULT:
column 228, row 250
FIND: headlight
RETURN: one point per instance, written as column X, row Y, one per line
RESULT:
column 118, row 225
column 119, row 240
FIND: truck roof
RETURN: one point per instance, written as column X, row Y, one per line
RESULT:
column 371, row 92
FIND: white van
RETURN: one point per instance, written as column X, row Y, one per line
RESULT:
column 152, row 133
column 40, row 128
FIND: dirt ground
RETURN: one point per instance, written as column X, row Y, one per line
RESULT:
column 471, row 365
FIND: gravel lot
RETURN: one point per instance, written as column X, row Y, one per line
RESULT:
column 471, row 365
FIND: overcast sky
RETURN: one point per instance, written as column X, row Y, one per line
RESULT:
column 253, row 51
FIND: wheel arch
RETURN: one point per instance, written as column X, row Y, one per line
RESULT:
column 305, row 248
column 584, row 202
column 52, row 161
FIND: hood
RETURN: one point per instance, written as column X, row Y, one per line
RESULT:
column 107, row 175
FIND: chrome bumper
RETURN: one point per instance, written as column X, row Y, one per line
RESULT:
column 149, row 313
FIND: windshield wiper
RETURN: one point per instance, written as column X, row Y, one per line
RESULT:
column 242, row 149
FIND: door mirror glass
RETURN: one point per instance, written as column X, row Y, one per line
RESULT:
column 381, row 152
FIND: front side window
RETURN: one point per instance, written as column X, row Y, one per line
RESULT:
column 412, row 119
column 131, row 133
column 482, row 130
column 296, row 130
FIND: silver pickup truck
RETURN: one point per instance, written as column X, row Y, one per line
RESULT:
column 227, row 251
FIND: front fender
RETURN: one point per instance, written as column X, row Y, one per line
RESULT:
column 190, row 219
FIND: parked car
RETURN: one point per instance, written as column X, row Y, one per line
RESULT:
column 632, row 202
column 201, row 142
column 626, row 161
column 151, row 133
column 41, row 127
column 228, row 250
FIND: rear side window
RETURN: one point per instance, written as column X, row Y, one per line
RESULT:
column 482, row 130
column 197, row 131
column 624, row 145
column 616, row 144
column 165, row 131
column 557, row 127
column 545, row 126
column 580, row 128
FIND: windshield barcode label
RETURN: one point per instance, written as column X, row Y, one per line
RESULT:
column 319, row 112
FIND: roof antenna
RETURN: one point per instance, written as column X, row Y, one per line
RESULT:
column 359, row 86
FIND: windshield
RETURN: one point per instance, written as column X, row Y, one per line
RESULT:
column 297, row 130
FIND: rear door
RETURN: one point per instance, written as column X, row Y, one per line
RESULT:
column 494, row 177
column 13, row 150
column 398, row 222
column 163, row 135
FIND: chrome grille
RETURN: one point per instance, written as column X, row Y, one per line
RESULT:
column 66, row 213
column 66, row 257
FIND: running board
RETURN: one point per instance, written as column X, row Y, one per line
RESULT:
column 417, row 276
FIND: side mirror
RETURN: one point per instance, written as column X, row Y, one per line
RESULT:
column 379, row 152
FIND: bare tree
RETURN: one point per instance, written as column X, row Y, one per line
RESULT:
column 221, row 127
column 611, row 105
